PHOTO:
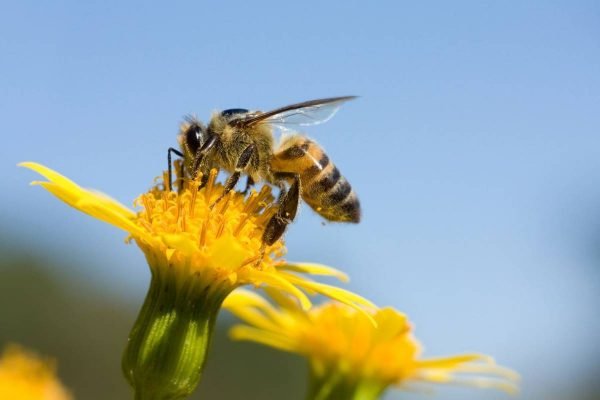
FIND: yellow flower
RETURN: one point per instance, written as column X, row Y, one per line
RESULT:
column 197, row 255
column 349, row 356
column 23, row 376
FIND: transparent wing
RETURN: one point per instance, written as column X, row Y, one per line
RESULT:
column 307, row 113
column 306, row 116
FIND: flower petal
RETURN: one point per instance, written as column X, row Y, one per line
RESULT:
column 242, row 332
column 95, row 204
column 315, row 269
column 276, row 280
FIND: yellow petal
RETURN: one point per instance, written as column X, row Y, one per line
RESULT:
column 95, row 204
column 275, row 280
column 253, row 309
column 336, row 293
column 315, row 269
column 452, row 362
column 49, row 174
column 245, row 298
column 241, row 332
column 391, row 322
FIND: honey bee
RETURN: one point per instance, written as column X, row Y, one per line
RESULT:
column 240, row 141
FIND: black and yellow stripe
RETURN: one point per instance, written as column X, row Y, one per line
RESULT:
column 324, row 188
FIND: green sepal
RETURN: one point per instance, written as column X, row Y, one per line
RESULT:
column 333, row 384
column 169, row 342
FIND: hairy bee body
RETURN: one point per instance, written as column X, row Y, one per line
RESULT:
column 227, row 150
column 240, row 141
column 324, row 188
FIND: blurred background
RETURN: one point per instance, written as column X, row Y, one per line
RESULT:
column 474, row 147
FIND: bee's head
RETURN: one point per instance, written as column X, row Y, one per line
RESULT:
column 192, row 134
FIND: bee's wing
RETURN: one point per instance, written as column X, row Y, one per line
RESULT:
column 307, row 113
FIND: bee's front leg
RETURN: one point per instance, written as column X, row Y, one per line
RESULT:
column 170, row 168
column 288, row 207
column 199, row 156
column 241, row 165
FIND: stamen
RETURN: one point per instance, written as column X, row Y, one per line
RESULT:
column 221, row 226
column 241, row 225
column 194, row 192
column 226, row 203
column 179, row 179
column 264, row 198
column 209, row 185
column 252, row 260
column 249, row 206
column 165, row 179
column 203, row 225
column 182, row 215
column 147, row 225
column 165, row 199
column 148, row 207
column 178, row 207
column 266, row 215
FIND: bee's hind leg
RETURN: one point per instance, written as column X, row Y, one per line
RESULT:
column 241, row 165
column 288, row 207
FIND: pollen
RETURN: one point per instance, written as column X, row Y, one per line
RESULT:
column 204, row 230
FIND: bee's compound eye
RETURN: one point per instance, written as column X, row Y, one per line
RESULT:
column 198, row 132
column 233, row 112
column 194, row 137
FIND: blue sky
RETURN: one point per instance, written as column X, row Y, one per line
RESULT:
column 474, row 148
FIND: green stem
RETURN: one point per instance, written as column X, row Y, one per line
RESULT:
column 334, row 384
column 169, row 341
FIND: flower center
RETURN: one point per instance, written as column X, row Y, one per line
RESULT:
column 203, row 229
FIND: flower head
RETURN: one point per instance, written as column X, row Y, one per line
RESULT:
column 349, row 356
column 220, row 247
column 23, row 376
column 198, row 250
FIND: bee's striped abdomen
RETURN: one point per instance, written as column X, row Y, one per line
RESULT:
column 324, row 188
